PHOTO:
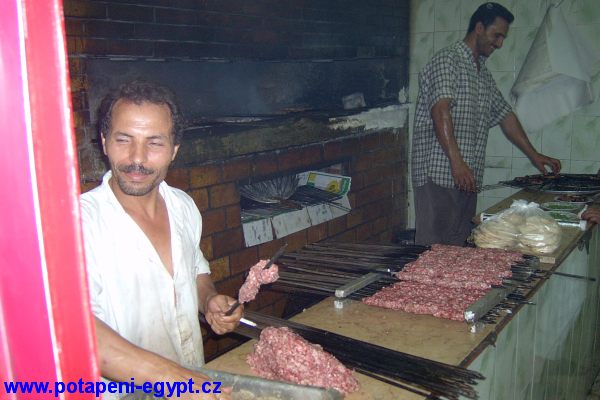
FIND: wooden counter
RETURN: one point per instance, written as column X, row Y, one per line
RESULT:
column 451, row 342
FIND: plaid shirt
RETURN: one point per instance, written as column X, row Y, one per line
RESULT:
column 476, row 106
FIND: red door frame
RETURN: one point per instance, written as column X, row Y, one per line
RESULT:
column 46, row 328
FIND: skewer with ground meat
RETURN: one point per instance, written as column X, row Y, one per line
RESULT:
column 257, row 276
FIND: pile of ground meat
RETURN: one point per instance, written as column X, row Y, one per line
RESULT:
column 460, row 267
column 257, row 276
column 280, row 354
column 446, row 280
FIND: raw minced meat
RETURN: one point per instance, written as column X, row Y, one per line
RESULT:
column 257, row 276
column 283, row 355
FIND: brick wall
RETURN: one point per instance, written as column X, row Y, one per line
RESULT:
column 237, row 29
column 269, row 30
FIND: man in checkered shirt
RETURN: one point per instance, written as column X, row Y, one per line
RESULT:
column 458, row 103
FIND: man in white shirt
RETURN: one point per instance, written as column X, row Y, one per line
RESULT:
column 148, row 278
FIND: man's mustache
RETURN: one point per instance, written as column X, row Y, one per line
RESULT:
column 137, row 168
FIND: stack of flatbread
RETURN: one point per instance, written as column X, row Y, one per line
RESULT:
column 523, row 227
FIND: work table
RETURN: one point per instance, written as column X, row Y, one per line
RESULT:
column 451, row 341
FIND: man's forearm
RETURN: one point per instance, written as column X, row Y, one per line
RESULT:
column 121, row 360
column 206, row 290
column 444, row 130
column 513, row 130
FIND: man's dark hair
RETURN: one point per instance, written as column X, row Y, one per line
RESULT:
column 138, row 92
column 487, row 14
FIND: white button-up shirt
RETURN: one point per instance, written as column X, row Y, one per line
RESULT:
column 130, row 288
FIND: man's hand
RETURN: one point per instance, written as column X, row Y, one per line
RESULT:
column 216, row 307
column 592, row 214
column 463, row 176
column 540, row 161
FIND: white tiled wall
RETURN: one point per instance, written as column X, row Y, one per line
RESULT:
column 574, row 139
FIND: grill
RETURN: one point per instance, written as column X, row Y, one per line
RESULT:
column 558, row 184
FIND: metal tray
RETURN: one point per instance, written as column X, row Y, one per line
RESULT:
column 247, row 387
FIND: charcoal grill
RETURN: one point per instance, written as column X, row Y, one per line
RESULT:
column 557, row 184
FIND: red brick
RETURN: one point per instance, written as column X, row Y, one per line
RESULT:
column 266, row 250
column 380, row 224
column 237, row 169
column 79, row 45
column 90, row 166
column 333, row 151
column 241, row 261
column 340, row 149
column 76, row 66
column 375, row 210
column 223, row 195
column 354, row 218
column 81, row 118
column 372, row 193
column 336, row 226
column 296, row 240
column 385, row 156
column 179, row 178
column 365, row 161
column 120, row 12
column 358, row 180
column 179, row 17
column 347, row 236
column 109, row 29
column 213, row 221
column 200, row 197
column 230, row 286
column 79, row 101
column 194, row 51
column 351, row 146
column 233, row 216
column 219, row 269
column 264, row 165
column 227, row 242
column 86, row 186
column 364, row 232
column 128, row 47
column 294, row 159
column 80, row 135
column 385, row 236
column 398, row 220
column 316, row 233
column 375, row 174
column 205, row 175
column 352, row 199
column 74, row 27
column 370, row 142
column 78, row 83
column 84, row 8
column 206, row 247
